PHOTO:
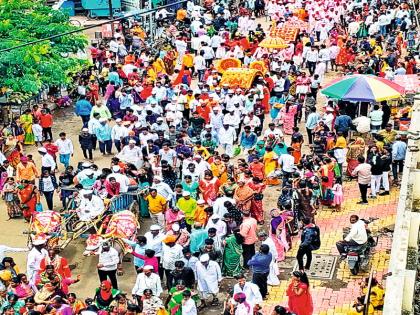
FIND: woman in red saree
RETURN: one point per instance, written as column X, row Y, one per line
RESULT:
column 29, row 197
column 92, row 93
column 300, row 299
column 257, row 210
column 209, row 187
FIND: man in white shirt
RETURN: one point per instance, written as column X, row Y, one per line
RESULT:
column 162, row 188
column 311, row 58
column 227, row 136
column 171, row 252
column 357, row 235
column 122, row 178
column 108, row 264
column 47, row 161
column 36, row 254
column 188, row 304
column 147, row 280
column 200, row 65
column 273, row 131
column 251, row 290
column 287, row 162
column 118, row 133
column 209, row 276
column 65, row 149
column 90, row 206
column 362, row 124
column 154, row 240
column 131, row 154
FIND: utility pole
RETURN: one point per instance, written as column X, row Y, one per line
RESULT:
column 111, row 16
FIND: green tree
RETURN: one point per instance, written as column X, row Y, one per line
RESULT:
column 28, row 68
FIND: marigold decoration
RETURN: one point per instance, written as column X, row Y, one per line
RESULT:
column 240, row 77
column 228, row 63
column 258, row 65
column 289, row 34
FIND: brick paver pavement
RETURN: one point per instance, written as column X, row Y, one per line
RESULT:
column 336, row 296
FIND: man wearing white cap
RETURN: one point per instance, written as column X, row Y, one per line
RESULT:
column 90, row 206
column 187, row 205
column 162, row 188
column 131, row 153
column 35, row 255
column 47, row 161
column 216, row 120
column 154, row 241
column 118, row 133
column 121, row 178
column 147, row 280
column 227, row 136
column 209, row 276
column 218, row 224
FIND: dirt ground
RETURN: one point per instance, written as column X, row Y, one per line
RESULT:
column 12, row 232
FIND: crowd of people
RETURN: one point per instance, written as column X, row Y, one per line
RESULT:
column 201, row 157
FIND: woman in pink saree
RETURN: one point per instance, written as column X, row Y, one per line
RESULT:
column 278, row 232
column 287, row 116
column 209, row 187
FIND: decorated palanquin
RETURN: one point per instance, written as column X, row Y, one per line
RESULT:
column 46, row 222
column 122, row 225
column 259, row 65
column 240, row 77
column 288, row 33
column 225, row 64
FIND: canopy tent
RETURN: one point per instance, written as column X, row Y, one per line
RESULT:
column 240, row 77
column 363, row 88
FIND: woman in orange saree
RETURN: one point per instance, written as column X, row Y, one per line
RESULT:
column 29, row 197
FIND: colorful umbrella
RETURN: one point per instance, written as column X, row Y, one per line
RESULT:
column 273, row 42
column 363, row 88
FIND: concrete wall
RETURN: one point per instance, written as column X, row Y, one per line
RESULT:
column 400, row 284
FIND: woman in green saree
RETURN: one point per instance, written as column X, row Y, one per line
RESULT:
column 174, row 301
column 232, row 255
column 26, row 120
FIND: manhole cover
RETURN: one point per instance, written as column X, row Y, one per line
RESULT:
column 322, row 266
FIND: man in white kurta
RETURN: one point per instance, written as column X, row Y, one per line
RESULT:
column 131, row 154
column 251, row 290
column 209, row 276
column 147, row 280
column 35, row 255
column 274, row 268
column 90, row 206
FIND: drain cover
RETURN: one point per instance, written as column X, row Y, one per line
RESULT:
column 322, row 266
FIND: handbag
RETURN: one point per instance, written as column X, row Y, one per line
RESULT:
column 38, row 207
column 258, row 196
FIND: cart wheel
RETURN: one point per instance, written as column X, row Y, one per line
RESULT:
column 134, row 208
column 75, row 23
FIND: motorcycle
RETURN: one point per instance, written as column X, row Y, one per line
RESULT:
column 358, row 256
